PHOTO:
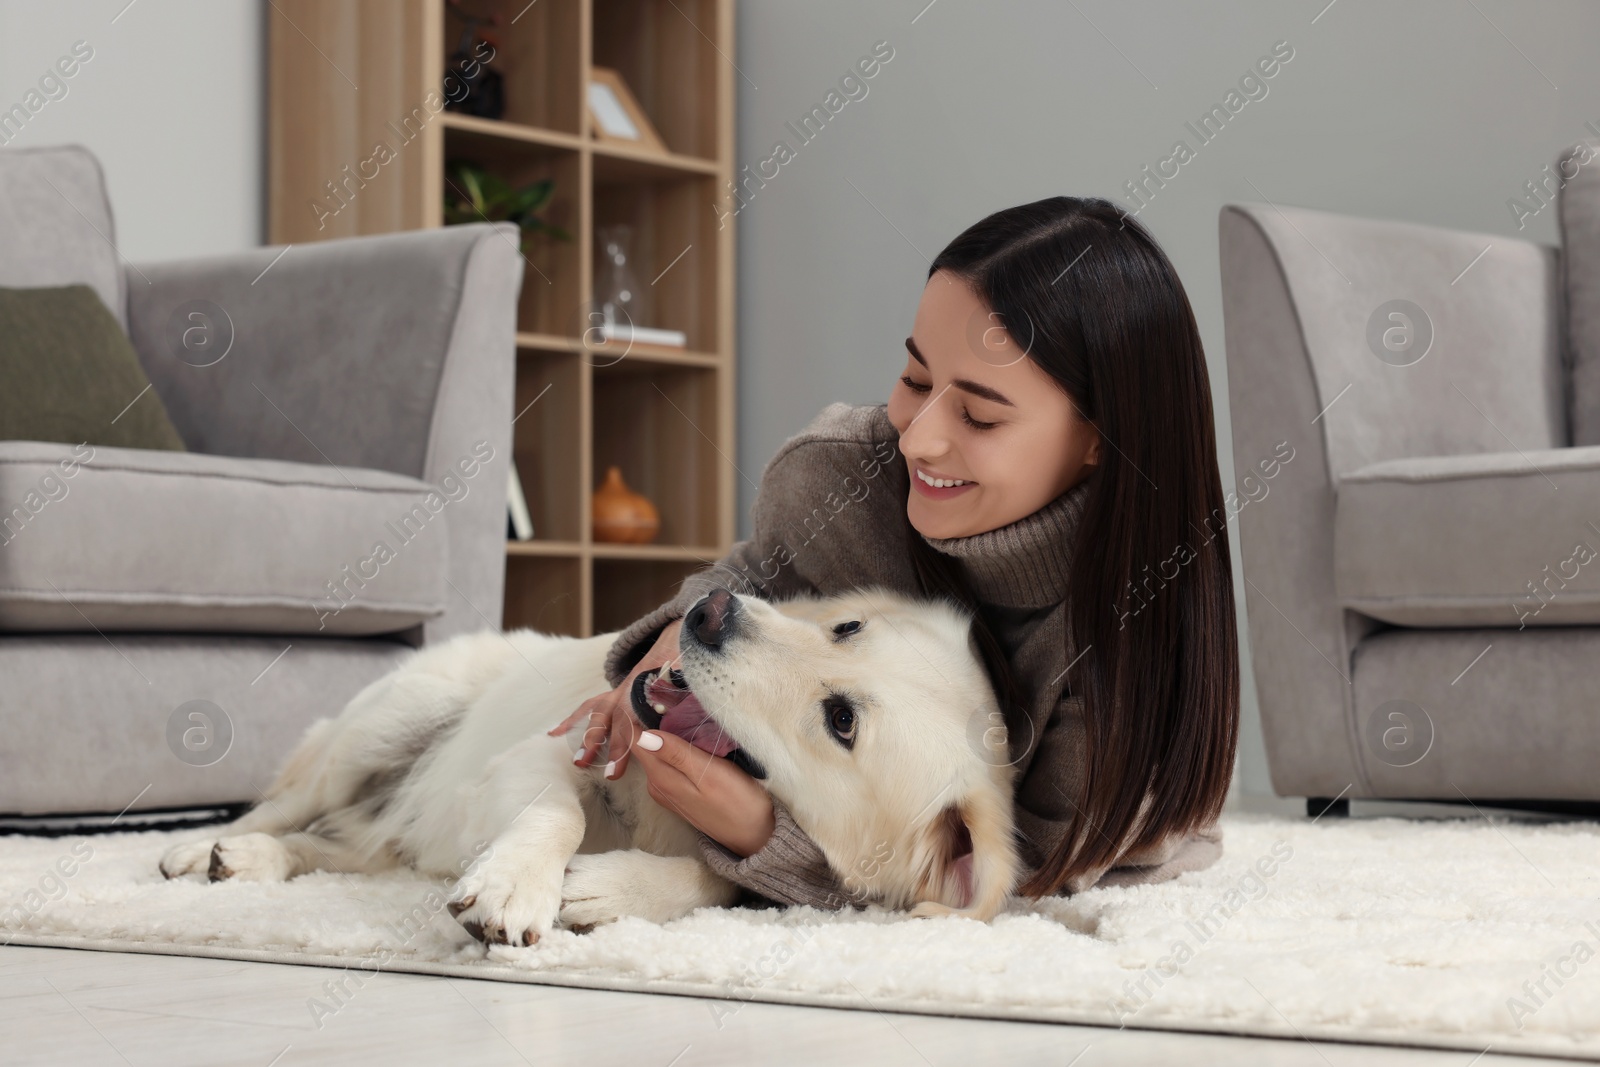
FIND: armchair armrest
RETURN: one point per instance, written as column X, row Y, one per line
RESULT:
column 394, row 352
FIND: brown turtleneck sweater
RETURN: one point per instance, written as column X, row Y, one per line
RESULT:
column 830, row 516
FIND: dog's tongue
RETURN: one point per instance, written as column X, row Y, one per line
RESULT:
column 685, row 717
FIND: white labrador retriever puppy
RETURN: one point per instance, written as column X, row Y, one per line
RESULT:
column 868, row 715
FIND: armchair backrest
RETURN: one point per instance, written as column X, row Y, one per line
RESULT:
column 1420, row 341
column 55, row 224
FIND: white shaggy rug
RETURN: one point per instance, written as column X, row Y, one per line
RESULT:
column 1467, row 934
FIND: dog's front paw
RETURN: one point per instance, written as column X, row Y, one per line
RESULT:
column 191, row 858
column 604, row 887
column 505, row 902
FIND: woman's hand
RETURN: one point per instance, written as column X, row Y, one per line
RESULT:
column 609, row 715
column 713, row 795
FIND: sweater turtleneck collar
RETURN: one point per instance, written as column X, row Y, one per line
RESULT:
column 1025, row 564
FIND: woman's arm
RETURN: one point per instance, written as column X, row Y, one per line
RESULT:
column 818, row 526
column 746, row 835
column 790, row 868
column 813, row 525
column 822, row 522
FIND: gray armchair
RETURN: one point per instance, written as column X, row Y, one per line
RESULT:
column 1418, row 624
column 1419, row 628
column 171, row 623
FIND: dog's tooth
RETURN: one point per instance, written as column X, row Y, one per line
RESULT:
column 661, row 709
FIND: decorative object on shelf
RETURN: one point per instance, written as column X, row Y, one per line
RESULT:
column 519, row 523
column 616, row 287
column 619, row 295
column 615, row 116
column 621, row 516
column 473, row 194
column 471, row 88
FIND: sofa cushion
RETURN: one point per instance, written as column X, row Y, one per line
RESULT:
column 71, row 374
column 55, row 223
column 1508, row 539
column 99, row 538
column 1578, row 208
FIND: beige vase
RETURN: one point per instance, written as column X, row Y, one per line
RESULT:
column 621, row 516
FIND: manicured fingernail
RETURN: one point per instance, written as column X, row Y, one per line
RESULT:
column 650, row 741
column 578, row 756
column 611, row 768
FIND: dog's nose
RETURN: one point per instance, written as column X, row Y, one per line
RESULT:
column 713, row 618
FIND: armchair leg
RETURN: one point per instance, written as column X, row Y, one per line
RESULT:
column 1316, row 806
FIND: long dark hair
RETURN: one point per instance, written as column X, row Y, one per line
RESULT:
column 1090, row 296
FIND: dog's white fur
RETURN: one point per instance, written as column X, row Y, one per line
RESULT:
column 445, row 765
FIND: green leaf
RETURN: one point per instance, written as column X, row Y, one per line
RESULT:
column 474, row 185
column 531, row 199
column 474, row 194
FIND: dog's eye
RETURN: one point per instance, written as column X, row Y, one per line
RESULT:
column 840, row 715
column 846, row 628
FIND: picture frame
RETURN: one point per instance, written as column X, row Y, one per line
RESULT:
column 615, row 116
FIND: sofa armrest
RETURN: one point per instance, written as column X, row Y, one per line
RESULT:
column 394, row 352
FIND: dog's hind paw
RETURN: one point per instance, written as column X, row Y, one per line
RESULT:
column 604, row 887
column 598, row 889
column 249, row 858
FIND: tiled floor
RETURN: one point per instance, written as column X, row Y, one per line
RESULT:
column 61, row 1006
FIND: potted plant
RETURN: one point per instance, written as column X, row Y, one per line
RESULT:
column 473, row 194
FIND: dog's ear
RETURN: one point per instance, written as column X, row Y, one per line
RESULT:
column 970, row 859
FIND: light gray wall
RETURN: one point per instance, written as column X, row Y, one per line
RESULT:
column 170, row 102
column 1434, row 111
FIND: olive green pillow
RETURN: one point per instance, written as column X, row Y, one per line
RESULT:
column 68, row 373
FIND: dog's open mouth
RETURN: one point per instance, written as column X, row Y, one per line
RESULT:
column 663, row 701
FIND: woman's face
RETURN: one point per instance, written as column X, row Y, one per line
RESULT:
column 972, row 408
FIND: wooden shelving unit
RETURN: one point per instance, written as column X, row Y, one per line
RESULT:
column 345, row 74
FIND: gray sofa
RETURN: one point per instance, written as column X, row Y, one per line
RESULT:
column 170, row 622
column 1423, row 621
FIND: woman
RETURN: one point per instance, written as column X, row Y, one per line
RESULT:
column 1057, row 475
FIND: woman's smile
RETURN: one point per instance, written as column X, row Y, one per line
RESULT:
column 937, row 486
